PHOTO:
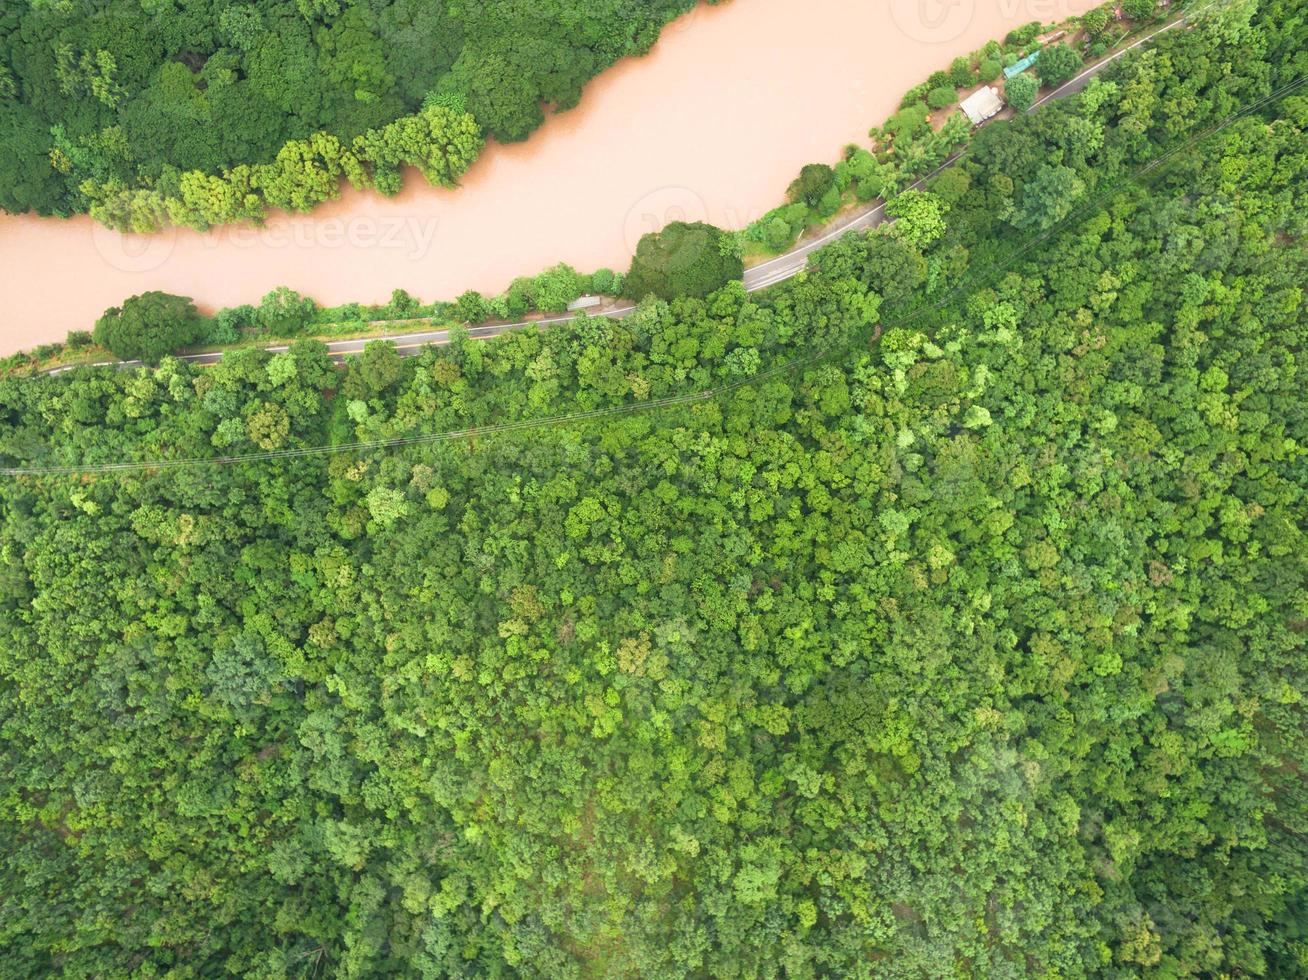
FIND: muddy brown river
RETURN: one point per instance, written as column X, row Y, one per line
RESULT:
column 711, row 125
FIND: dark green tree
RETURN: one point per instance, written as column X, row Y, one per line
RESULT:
column 1057, row 64
column 814, row 182
column 148, row 326
column 1020, row 91
column 684, row 259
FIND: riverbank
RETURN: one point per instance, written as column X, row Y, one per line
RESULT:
column 712, row 125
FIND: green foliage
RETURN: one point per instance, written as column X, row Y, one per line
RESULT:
column 1020, row 91
column 555, row 288
column 684, row 259
column 914, row 95
column 1020, row 37
column 814, row 182
column 235, row 99
column 1057, row 64
column 1049, row 197
column 920, row 217
column 283, row 312
column 976, row 650
column 1096, row 21
column 989, row 70
column 604, row 281
column 148, row 326
column 961, row 73
column 942, row 97
column 472, row 307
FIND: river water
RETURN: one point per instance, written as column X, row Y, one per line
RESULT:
column 712, row 125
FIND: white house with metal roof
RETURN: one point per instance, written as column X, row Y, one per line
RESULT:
column 982, row 104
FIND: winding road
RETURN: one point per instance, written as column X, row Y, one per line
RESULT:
column 756, row 277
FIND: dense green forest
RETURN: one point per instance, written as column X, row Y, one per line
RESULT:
column 203, row 111
column 960, row 631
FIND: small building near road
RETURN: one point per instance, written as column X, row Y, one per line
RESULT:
column 1022, row 65
column 982, row 104
column 584, row 303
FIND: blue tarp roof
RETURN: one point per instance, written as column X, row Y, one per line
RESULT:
column 1022, row 65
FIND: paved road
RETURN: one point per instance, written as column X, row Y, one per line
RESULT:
column 756, row 277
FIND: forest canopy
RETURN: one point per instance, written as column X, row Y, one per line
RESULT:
column 946, row 616
column 124, row 97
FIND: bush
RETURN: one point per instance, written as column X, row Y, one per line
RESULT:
column 516, row 301
column 779, row 228
column 940, row 98
column 603, row 281
column 471, row 307
column 1139, row 10
column 914, row 95
column 148, row 326
column 1024, row 35
column 812, row 184
column 907, row 123
column 684, row 259
column 960, row 73
column 1058, row 63
column 830, row 202
column 1095, row 22
column 777, row 234
column 555, row 288
column 861, row 169
column 1020, row 91
column 401, row 307
column 284, row 312
column 937, row 78
column 226, row 326
column 989, row 70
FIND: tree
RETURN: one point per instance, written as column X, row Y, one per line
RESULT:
column 1049, row 197
column 961, row 74
column 283, row 312
column 1057, row 64
column 919, row 217
column 1020, row 91
column 1095, row 21
column 148, row 326
column 555, row 288
column 684, row 259
column 815, row 180
column 940, row 98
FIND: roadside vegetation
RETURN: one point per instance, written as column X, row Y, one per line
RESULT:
column 905, row 149
column 953, row 620
column 150, row 113
column 928, row 127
